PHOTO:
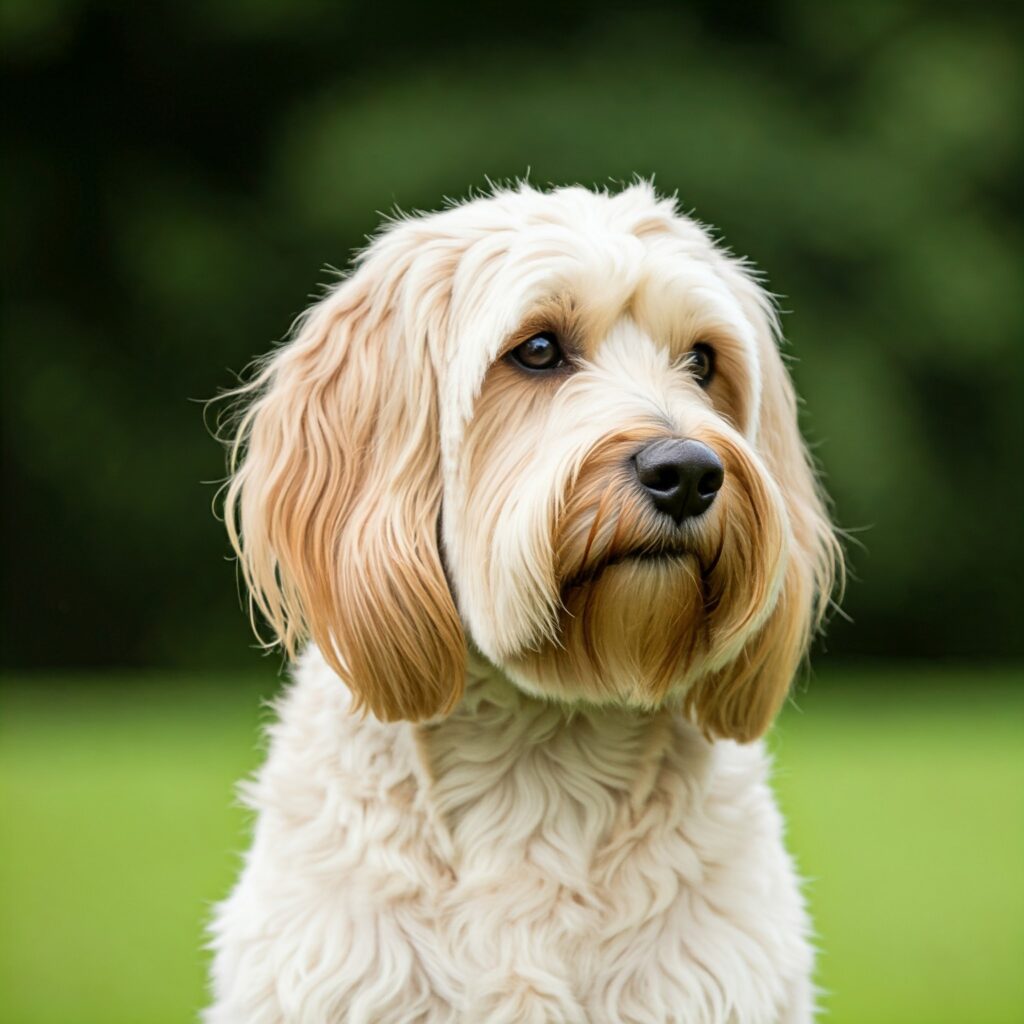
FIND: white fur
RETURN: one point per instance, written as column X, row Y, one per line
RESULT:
column 563, row 846
column 517, row 862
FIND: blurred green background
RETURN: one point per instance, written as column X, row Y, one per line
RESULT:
column 176, row 177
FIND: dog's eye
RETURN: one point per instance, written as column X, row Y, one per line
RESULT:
column 702, row 363
column 541, row 352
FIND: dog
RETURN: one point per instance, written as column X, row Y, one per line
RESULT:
column 525, row 498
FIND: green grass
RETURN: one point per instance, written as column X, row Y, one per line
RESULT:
column 905, row 803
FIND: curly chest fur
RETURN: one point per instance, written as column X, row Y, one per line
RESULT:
column 512, row 863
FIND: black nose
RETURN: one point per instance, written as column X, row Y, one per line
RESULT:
column 681, row 477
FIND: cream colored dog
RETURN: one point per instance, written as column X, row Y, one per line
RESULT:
column 529, row 488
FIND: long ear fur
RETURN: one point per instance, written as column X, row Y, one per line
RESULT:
column 741, row 700
column 335, row 491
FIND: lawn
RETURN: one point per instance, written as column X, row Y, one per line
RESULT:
column 904, row 792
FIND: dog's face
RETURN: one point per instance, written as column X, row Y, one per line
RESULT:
column 555, row 426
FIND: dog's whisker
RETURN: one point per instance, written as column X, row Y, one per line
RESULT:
column 596, row 522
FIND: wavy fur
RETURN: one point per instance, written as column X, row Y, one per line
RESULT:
column 517, row 777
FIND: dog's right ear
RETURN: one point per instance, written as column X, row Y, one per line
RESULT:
column 334, row 496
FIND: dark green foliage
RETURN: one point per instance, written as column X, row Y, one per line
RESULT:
column 178, row 176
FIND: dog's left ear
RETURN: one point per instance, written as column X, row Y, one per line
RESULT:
column 740, row 701
column 335, row 493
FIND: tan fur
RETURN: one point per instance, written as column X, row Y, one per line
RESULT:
column 334, row 503
column 339, row 493
column 741, row 701
column 572, row 837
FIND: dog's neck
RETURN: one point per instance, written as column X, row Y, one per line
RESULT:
column 513, row 778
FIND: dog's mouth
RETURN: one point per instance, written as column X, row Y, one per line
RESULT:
column 669, row 553
column 663, row 555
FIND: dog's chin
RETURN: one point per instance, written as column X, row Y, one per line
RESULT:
column 632, row 630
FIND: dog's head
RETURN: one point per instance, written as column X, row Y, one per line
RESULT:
column 555, row 425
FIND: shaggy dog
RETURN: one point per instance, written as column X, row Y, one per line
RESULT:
column 528, row 489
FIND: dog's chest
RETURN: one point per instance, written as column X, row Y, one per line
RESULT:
column 621, row 864
column 513, row 865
